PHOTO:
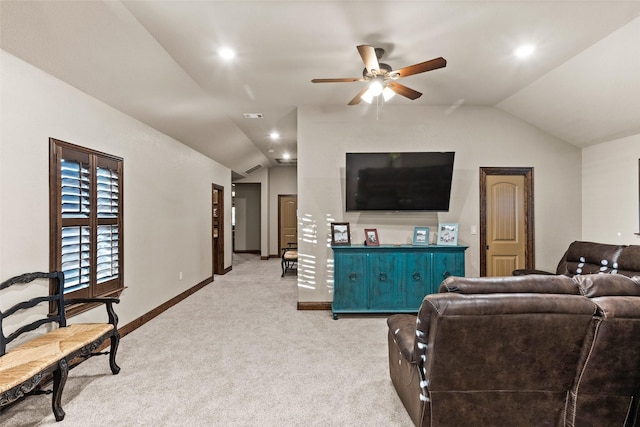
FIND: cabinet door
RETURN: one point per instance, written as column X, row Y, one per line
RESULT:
column 416, row 280
column 445, row 264
column 350, row 281
column 384, row 274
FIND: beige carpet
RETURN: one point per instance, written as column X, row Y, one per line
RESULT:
column 236, row 353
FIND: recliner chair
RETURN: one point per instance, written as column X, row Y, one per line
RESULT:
column 488, row 359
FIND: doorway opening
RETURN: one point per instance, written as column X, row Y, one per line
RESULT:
column 247, row 232
column 507, row 238
column 217, row 228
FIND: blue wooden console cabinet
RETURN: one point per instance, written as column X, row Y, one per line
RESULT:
column 389, row 278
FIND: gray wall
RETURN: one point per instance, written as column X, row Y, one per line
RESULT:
column 167, row 189
column 480, row 136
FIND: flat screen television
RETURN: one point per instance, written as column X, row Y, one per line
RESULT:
column 406, row 181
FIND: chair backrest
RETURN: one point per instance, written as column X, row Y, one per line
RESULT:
column 499, row 359
column 56, row 298
column 531, row 283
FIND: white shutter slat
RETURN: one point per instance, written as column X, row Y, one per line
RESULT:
column 108, row 193
column 75, row 257
column 107, row 253
column 75, row 189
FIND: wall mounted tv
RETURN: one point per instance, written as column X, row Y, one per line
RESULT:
column 407, row 181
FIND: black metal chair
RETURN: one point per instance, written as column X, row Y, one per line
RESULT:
column 289, row 258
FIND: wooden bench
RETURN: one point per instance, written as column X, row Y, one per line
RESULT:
column 289, row 257
column 48, row 351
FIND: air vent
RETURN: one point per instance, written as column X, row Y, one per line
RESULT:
column 252, row 115
column 287, row 161
column 253, row 169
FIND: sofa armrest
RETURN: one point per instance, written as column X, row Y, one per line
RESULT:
column 402, row 328
column 527, row 271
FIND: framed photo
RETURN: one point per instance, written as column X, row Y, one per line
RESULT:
column 371, row 237
column 448, row 234
column 421, row 236
column 340, row 234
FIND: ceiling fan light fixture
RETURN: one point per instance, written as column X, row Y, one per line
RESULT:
column 375, row 88
column 387, row 93
column 367, row 96
column 382, row 77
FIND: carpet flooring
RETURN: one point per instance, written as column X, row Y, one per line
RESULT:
column 236, row 353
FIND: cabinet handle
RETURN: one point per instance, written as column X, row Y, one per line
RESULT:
column 382, row 276
column 353, row 276
column 445, row 275
column 416, row 276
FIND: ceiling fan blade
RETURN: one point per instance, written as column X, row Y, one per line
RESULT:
column 356, row 100
column 432, row 64
column 345, row 80
column 369, row 57
column 404, row 91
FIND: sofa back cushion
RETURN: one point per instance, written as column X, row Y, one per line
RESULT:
column 532, row 283
column 600, row 285
column 487, row 352
column 589, row 258
column 629, row 261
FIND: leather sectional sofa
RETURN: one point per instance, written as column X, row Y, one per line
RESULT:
column 591, row 258
column 534, row 350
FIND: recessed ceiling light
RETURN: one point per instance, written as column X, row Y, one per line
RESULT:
column 524, row 50
column 227, row 53
column 286, row 155
column 274, row 135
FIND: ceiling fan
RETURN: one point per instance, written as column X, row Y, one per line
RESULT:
column 382, row 77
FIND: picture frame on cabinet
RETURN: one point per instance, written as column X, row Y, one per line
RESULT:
column 371, row 237
column 340, row 234
column 448, row 234
column 421, row 236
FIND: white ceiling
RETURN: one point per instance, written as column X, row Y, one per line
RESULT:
column 157, row 62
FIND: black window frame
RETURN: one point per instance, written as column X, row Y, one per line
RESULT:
column 96, row 222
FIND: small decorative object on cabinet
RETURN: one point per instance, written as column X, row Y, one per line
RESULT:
column 448, row 234
column 389, row 278
column 340, row 234
column 421, row 236
column 371, row 237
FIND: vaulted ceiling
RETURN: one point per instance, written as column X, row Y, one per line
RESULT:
column 157, row 61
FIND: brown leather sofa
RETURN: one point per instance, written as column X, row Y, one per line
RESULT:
column 531, row 350
column 606, row 388
column 591, row 258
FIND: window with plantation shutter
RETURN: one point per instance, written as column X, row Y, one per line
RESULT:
column 86, row 219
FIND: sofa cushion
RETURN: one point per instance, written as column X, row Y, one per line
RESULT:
column 600, row 285
column 629, row 261
column 533, row 283
column 589, row 258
